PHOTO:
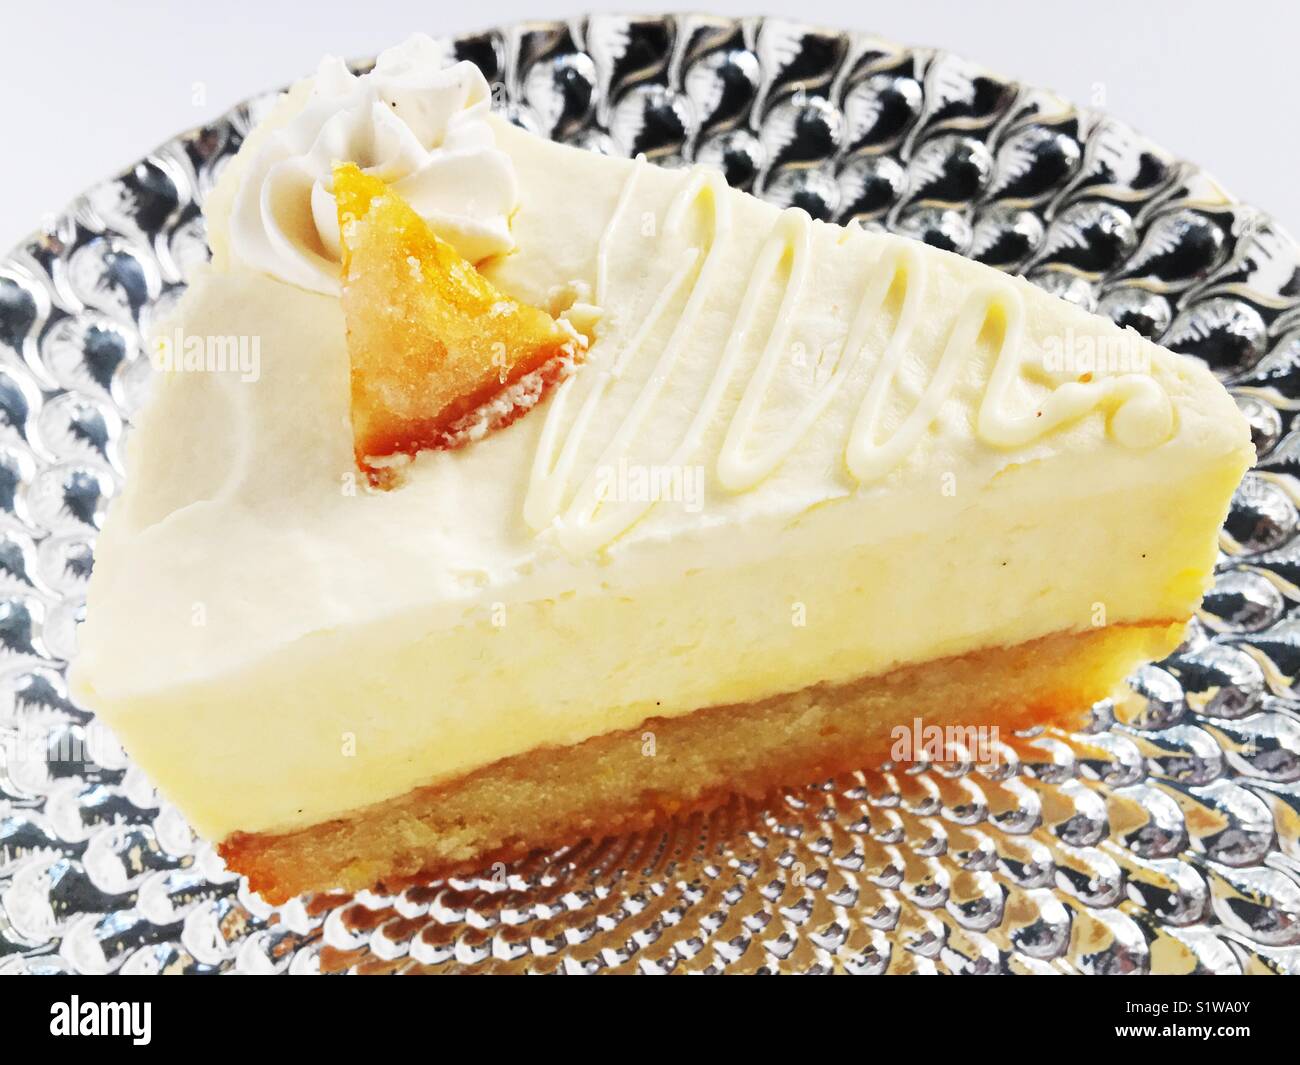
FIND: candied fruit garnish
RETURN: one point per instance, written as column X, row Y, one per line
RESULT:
column 431, row 340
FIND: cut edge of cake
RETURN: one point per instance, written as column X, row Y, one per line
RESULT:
column 611, row 784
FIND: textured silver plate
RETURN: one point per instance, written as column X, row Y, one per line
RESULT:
column 1162, row 836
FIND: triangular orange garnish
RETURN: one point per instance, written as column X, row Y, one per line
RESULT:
column 431, row 340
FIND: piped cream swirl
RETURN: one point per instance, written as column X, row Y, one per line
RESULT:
column 412, row 121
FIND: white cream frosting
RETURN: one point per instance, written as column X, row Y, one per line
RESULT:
column 417, row 124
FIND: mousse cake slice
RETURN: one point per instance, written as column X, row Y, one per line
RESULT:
column 800, row 486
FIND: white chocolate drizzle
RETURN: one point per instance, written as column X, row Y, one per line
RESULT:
column 1140, row 414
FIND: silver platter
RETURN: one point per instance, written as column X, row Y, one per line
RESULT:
column 1162, row 836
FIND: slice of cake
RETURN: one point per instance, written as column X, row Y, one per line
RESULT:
column 803, row 486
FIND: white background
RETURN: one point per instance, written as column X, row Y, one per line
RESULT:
column 88, row 87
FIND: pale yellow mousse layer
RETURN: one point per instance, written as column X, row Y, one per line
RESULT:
column 276, row 645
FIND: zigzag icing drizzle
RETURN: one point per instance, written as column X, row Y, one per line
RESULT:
column 1141, row 414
